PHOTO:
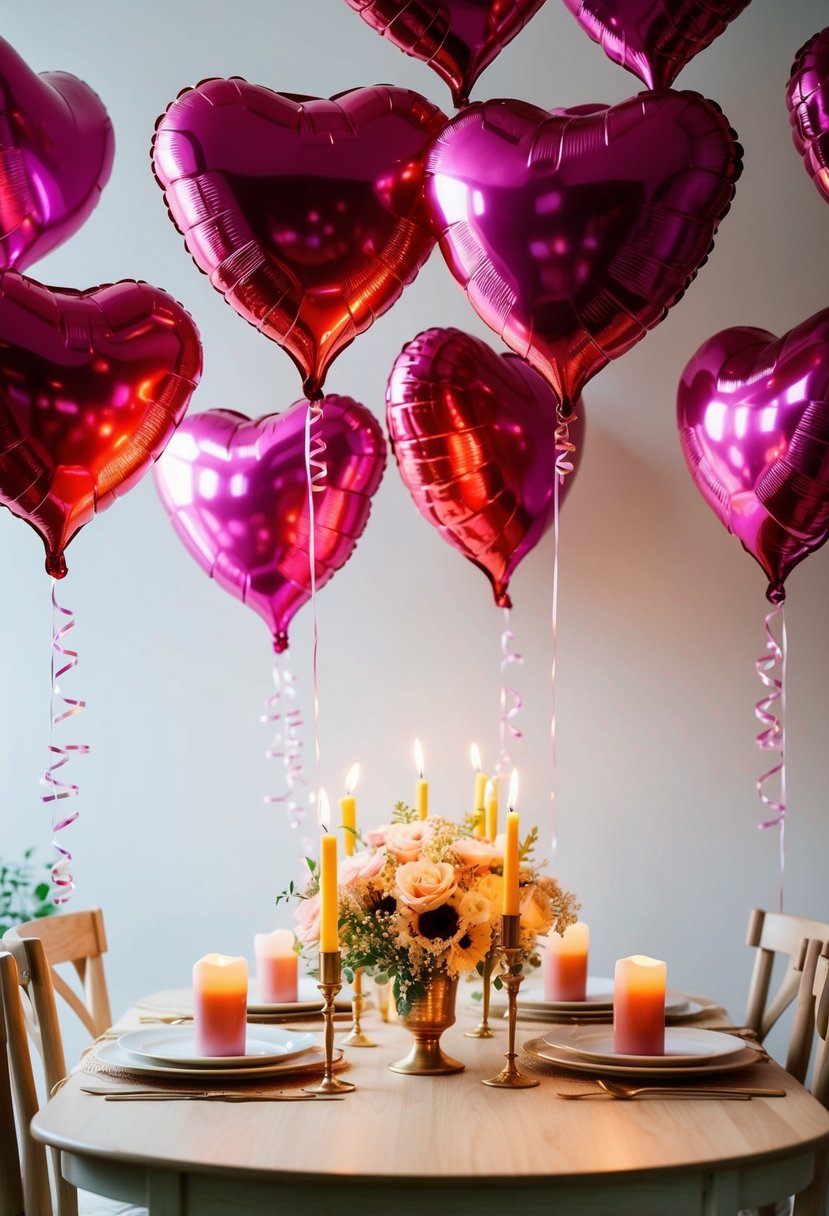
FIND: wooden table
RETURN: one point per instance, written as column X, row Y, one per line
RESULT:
column 400, row 1143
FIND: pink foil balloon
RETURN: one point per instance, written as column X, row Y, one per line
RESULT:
column 456, row 38
column 474, row 437
column 236, row 492
column 574, row 232
column 808, row 100
column 305, row 213
column 753, row 416
column 56, row 150
column 92, row 385
column 654, row 39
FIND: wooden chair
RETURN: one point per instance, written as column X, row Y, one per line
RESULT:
column 812, row 1201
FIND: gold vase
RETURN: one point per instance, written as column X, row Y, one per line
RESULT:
column 427, row 1019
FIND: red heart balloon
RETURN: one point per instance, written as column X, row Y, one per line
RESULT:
column 56, row 150
column 237, row 494
column 305, row 213
column 574, row 232
column 753, row 416
column 474, row 437
column 92, row 385
column 654, row 39
column 808, row 100
column 457, row 38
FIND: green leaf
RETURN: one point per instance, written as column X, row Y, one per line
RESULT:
column 41, row 891
column 498, row 983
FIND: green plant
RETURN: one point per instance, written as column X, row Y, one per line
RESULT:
column 23, row 894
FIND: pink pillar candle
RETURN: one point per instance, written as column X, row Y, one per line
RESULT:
column 276, row 966
column 564, row 963
column 220, row 1005
column 639, row 1006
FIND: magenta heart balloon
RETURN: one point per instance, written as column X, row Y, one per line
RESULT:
column 456, row 38
column 753, row 416
column 56, row 150
column 654, row 39
column 808, row 100
column 574, row 232
column 236, row 492
column 474, row 437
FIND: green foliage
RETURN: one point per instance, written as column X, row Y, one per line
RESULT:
column 24, row 895
column 472, row 821
column 403, row 813
column 528, row 844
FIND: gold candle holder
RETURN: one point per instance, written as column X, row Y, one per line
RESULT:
column 483, row 1030
column 512, row 957
column 330, row 983
column 355, row 1037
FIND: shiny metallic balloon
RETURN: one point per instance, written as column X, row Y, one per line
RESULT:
column 92, row 385
column 474, row 437
column 456, row 38
column 305, row 213
column 753, row 417
column 236, row 492
column 654, row 39
column 808, row 100
column 573, row 232
column 56, row 150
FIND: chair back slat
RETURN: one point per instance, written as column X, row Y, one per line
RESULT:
column 778, row 934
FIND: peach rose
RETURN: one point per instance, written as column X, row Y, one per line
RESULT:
column 377, row 836
column 360, row 865
column 425, row 885
column 307, row 920
column 479, row 854
column 491, row 886
column 405, row 841
column 535, row 918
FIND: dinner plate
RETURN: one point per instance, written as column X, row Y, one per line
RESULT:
column 177, row 1045
column 571, row 1061
column 599, row 1000
column 112, row 1055
column 683, row 1046
column 309, row 1000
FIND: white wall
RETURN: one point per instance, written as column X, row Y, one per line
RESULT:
column 660, row 611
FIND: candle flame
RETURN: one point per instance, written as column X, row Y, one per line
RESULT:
column 475, row 757
column 418, row 753
column 323, row 810
column 489, row 792
column 513, row 790
column 352, row 779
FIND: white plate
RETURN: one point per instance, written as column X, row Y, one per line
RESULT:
column 599, row 999
column 177, row 1045
column 689, row 1046
column 310, row 999
column 571, row 1061
column 113, row 1056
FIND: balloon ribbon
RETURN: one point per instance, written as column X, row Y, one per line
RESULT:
column 564, row 450
column 58, row 788
column 770, row 711
column 282, row 710
column 509, row 732
column 316, row 471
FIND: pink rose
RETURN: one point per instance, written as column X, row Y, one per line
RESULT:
column 307, row 920
column 405, row 841
column 376, row 837
column 425, row 885
column 479, row 854
column 361, row 865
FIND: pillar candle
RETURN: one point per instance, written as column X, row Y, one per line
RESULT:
column 639, row 1006
column 491, row 810
column 564, row 963
column 277, row 966
column 329, row 912
column 220, row 999
column 422, row 790
column 511, row 905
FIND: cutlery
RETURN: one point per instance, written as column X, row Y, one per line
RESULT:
column 182, row 1095
column 615, row 1090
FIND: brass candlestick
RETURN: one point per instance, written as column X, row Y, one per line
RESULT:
column 512, row 955
column 330, row 983
column 483, row 1030
column 355, row 1037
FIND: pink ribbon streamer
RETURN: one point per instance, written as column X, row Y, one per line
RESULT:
column 282, row 710
column 508, row 731
column 564, row 449
column 770, row 711
column 58, row 788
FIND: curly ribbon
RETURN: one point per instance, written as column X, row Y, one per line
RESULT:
column 564, row 450
column 282, row 710
column 316, row 471
column 770, row 711
column 508, row 731
column 58, row 788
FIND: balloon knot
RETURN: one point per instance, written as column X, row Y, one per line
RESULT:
column 776, row 593
column 280, row 642
column 56, row 565
column 502, row 599
column 312, row 388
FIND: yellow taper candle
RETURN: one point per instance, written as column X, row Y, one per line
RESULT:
column 479, row 805
column 348, row 810
column 491, row 810
column 422, row 792
column 329, row 933
column 511, row 905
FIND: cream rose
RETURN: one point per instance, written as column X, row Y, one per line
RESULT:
column 475, row 909
column 307, row 920
column 479, row 854
column 425, row 885
column 491, row 886
column 377, row 836
column 405, row 841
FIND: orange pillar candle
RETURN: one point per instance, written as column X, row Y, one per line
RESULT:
column 639, row 1006
column 329, row 909
column 422, row 791
column 511, row 903
column 348, row 810
column 564, row 963
column 277, row 966
column 220, row 1005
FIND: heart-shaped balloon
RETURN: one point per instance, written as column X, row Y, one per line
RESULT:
column 56, row 149
column 305, row 213
column 808, row 100
column 457, row 38
column 574, row 232
column 654, row 39
column 753, row 416
column 236, row 492
column 92, row 385
column 474, row 437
